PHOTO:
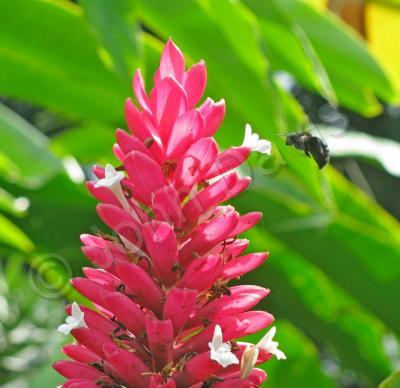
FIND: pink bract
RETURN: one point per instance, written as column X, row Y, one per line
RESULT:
column 161, row 283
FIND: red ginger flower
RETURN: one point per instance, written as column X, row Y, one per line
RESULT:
column 163, row 306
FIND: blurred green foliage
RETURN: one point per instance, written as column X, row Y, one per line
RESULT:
column 334, row 269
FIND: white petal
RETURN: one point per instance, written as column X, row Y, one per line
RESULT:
column 224, row 358
column 253, row 141
column 217, row 337
column 247, row 133
column 75, row 321
column 266, row 340
column 110, row 171
column 279, row 354
column 64, row 329
column 70, row 320
column 76, row 312
column 271, row 346
column 264, row 147
column 112, row 177
column 224, row 347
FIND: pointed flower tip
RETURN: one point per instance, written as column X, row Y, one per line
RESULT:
column 112, row 177
column 252, row 140
column 221, row 351
column 75, row 321
column 170, row 43
column 271, row 346
column 248, row 361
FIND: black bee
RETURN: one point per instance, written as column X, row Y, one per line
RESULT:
column 311, row 145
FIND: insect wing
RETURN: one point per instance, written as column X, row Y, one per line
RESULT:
column 319, row 151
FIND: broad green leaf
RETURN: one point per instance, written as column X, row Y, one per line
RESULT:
column 235, row 14
column 115, row 23
column 299, row 25
column 54, row 62
column 12, row 205
column 27, row 150
column 357, row 97
column 13, row 236
column 303, row 294
column 302, row 363
column 60, row 211
column 46, row 375
column 89, row 143
column 28, row 322
column 297, row 55
column 393, row 381
column 348, row 52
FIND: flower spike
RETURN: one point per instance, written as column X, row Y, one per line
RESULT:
column 164, row 313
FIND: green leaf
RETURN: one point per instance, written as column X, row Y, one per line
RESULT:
column 393, row 381
column 308, row 53
column 246, row 30
column 302, row 360
column 42, row 64
column 302, row 363
column 60, row 211
column 12, row 205
column 348, row 52
column 21, row 145
column 327, row 314
column 297, row 55
column 89, row 143
column 13, row 236
column 26, row 311
column 115, row 23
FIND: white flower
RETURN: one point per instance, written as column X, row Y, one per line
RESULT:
column 270, row 346
column 112, row 178
column 112, row 181
column 253, row 141
column 250, row 355
column 221, row 351
column 75, row 321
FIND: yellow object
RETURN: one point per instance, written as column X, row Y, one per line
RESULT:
column 321, row 4
column 383, row 34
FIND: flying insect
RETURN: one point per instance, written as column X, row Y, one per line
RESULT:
column 312, row 146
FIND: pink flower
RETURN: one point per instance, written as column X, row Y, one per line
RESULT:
column 162, row 306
